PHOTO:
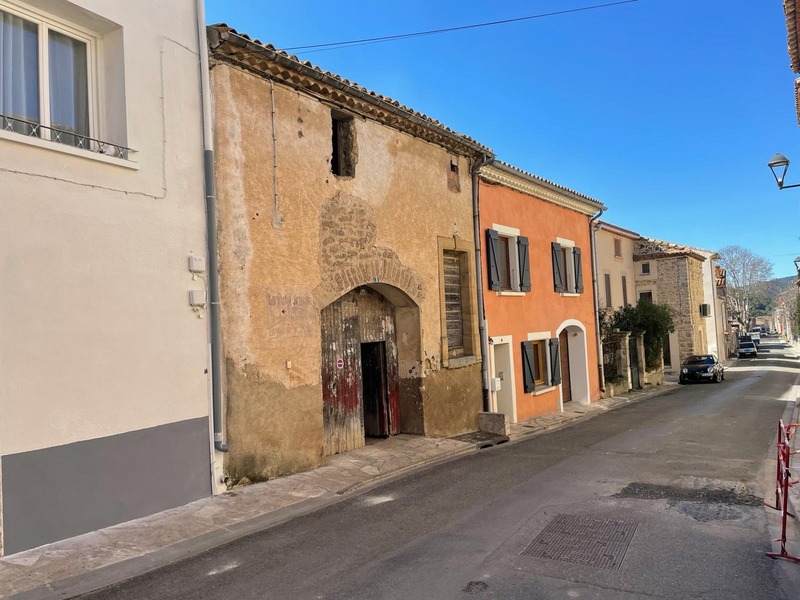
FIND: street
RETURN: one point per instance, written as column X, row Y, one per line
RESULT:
column 678, row 480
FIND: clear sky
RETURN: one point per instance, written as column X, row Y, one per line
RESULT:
column 667, row 111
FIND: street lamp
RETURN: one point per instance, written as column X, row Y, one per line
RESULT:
column 781, row 163
column 797, row 266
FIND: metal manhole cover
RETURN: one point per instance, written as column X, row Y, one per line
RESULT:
column 583, row 540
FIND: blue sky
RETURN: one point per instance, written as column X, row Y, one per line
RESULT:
column 667, row 111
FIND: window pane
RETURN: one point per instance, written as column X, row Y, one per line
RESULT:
column 504, row 263
column 19, row 72
column 69, row 88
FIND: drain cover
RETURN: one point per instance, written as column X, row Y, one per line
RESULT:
column 583, row 540
column 481, row 439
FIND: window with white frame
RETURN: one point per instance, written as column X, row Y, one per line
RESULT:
column 567, row 267
column 508, row 260
column 46, row 77
column 541, row 362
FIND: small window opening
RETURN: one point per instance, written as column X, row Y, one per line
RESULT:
column 453, row 182
column 343, row 138
column 617, row 247
column 646, row 268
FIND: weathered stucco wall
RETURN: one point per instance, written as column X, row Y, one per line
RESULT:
column 285, row 256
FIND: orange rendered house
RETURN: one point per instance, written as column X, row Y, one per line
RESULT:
column 538, row 293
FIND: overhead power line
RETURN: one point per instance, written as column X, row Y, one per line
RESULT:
column 312, row 48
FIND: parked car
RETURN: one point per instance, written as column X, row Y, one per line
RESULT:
column 748, row 349
column 755, row 336
column 702, row 367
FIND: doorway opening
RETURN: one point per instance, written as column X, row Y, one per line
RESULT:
column 374, row 390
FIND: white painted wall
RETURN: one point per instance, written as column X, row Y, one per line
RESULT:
column 98, row 336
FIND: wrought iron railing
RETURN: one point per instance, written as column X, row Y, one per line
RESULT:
column 63, row 136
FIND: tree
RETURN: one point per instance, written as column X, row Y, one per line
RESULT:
column 653, row 320
column 747, row 276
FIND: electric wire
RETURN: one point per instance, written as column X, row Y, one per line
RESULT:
column 314, row 48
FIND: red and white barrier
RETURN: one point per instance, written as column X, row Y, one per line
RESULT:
column 783, row 481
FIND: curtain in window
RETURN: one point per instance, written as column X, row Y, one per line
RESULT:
column 19, row 70
column 69, row 86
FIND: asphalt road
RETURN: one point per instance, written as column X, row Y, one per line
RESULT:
column 669, row 489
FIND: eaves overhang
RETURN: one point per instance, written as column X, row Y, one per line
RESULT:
column 229, row 46
column 616, row 230
column 790, row 9
column 504, row 174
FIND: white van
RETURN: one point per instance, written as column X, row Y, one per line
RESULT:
column 755, row 334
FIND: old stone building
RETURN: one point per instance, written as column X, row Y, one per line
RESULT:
column 347, row 263
column 672, row 274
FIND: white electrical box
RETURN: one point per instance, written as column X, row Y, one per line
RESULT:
column 197, row 298
column 197, row 264
column 497, row 384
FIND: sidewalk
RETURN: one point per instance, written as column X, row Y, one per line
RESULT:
column 101, row 558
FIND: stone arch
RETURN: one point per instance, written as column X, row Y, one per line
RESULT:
column 370, row 340
column 577, row 365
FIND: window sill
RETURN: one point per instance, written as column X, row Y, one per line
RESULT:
column 510, row 293
column 64, row 149
column 544, row 390
column 460, row 362
column 570, row 294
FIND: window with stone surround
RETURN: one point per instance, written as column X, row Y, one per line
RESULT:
column 458, row 313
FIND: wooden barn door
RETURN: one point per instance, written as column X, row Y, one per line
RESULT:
column 343, row 419
column 360, row 379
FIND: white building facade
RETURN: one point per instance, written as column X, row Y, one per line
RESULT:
column 104, row 370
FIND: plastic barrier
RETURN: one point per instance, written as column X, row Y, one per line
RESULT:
column 782, row 484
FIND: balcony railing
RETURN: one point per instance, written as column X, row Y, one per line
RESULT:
column 62, row 136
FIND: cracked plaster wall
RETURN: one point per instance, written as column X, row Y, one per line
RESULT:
column 379, row 228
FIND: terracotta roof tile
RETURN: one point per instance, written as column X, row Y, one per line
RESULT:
column 225, row 32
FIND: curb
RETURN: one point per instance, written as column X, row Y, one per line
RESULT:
column 115, row 573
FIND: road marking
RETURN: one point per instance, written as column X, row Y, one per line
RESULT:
column 373, row 500
column 223, row 569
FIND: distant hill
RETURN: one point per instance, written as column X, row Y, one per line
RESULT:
column 766, row 303
column 776, row 286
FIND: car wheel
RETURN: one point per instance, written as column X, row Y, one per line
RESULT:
column 682, row 381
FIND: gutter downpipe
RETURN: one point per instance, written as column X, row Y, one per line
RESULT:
column 595, row 290
column 476, row 167
column 211, row 231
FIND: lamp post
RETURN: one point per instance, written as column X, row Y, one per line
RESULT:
column 797, row 268
column 780, row 164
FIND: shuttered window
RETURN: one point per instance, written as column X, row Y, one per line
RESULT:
column 607, row 280
column 624, row 291
column 555, row 362
column 567, row 268
column 534, row 365
column 508, row 260
column 453, row 303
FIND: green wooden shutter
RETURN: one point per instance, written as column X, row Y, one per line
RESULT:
column 558, row 268
column 576, row 256
column 492, row 243
column 555, row 362
column 528, row 376
column 524, row 264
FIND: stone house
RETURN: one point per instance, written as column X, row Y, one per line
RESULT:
column 347, row 263
column 538, row 296
column 104, row 404
column 673, row 274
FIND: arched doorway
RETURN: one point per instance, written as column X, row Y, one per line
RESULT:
column 368, row 335
column 574, row 360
